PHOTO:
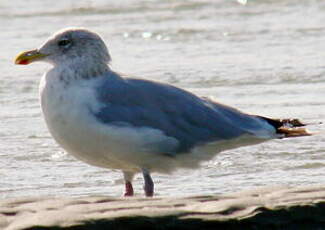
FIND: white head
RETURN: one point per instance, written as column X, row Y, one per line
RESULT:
column 71, row 47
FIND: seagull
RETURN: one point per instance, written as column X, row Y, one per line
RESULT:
column 134, row 125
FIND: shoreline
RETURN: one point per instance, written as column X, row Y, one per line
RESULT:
column 263, row 208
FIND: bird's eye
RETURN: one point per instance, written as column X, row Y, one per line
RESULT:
column 64, row 42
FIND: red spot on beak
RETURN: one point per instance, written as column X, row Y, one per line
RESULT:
column 23, row 62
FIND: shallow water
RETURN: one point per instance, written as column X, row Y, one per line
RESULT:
column 266, row 57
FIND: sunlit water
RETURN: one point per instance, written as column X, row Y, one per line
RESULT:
column 266, row 57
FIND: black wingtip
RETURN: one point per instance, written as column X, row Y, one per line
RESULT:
column 288, row 127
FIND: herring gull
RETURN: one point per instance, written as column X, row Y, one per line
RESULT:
column 135, row 125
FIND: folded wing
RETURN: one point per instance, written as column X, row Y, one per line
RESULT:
column 177, row 113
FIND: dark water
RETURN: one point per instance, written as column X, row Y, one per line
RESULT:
column 266, row 57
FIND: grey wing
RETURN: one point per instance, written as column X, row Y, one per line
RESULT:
column 177, row 113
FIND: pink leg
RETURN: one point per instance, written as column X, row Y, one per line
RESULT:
column 148, row 183
column 128, row 189
column 128, row 177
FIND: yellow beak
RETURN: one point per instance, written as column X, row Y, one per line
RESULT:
column 28, row 57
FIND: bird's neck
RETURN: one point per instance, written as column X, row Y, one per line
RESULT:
column 69, row 72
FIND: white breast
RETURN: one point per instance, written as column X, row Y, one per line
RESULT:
column 66, row 108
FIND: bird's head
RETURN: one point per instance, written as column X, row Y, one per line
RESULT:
column 76, row 46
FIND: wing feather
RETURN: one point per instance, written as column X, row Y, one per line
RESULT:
column 177, row 113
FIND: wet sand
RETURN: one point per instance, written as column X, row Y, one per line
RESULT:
column 264, row 208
